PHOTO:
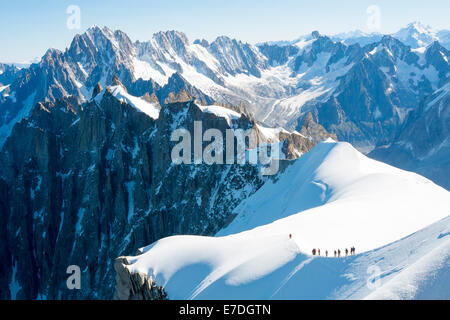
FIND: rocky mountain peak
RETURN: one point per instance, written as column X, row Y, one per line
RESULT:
column 310, row 128
column 417, row 26
column 223, row 40
column 8, row 73
column 172, row 39
column 98, row 41
column 416, row 35
column 152, row 98
column 436, row 47
column 181, row 96
column 238, row 57
column 315, row 34
column 51, row 55
column 204, row 43
column 116, row 81
column 98, row 88
column 390, row 41
column 322, row 43
column 395, row 48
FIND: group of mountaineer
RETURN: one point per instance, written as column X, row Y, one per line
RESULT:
column 337, row 253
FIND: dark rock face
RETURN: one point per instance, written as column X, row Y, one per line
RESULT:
column 85, row 183
column 278, row 55
column 321, row 44
column 373, row 98
column 437, row 56
column 5, row 264
column 204, row 43
column 177, row 84
column 98, row 88
column 237, row 57
column 135, row 286
column 423, row 145
column 361, row 112
column 383, row 82
column 8, row 73
column 312, row 129
column 64, row 203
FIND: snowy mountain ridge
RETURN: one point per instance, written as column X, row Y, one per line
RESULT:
column 333, row 202
column 415, row 34
column 278, row 84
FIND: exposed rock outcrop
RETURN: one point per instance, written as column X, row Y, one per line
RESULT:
column 135, row 285
column 311, row 128
column 98, row 88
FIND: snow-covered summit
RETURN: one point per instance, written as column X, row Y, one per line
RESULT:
column 417, row 35
column 150, row 109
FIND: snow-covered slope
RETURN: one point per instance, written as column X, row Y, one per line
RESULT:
column 331, row 198
column 222, row 112
column 150, row 109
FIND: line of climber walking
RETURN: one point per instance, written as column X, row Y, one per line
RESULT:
column 337, row 253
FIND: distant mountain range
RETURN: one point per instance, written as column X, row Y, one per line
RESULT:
column 366, row 95
column 415, row 35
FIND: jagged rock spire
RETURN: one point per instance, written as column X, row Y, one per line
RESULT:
column 151, row 98
column 116, row 81
column 98, row 88
column 312, row 129
column 181, row 96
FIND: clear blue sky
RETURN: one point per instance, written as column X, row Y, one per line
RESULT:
column 29, row 27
